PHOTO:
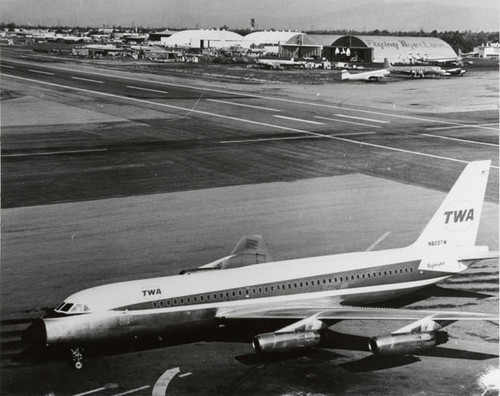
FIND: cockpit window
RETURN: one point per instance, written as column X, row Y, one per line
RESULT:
column 66, row 307
column 60, row 306
column 79, row 308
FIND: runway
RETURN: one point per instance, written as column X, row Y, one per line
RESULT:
column 194, row 136
column 111, row 175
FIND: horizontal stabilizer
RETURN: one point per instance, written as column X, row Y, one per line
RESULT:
column 251, row 249
column 470, row 257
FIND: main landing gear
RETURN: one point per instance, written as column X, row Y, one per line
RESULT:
column 77, row 357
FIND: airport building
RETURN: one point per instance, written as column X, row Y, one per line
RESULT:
column 269, row 40
column 307, row 45
column 202, row 39
column 489, row 51
column 371, row 48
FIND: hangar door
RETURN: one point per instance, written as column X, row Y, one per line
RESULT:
column 349, row 48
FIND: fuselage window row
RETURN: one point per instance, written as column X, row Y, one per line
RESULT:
column 266, row 290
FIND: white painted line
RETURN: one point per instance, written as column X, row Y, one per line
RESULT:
column 133, row 390
column 243, row 105
column 462, row 126
column 363, row 119
column 55, row 153
column 299, row 120
column 294, row 137
column 406, row 151
column 460, row 140
column 160, row 388
column 185, row 375
column 41, row 72
column 374, row 244
column 237, row 119
column 323, row 105
column 8, row 67
column 348, row 122
column 91, row 391
column 87, row 79
column 146, row 89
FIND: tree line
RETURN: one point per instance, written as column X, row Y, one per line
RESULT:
column 464, row 41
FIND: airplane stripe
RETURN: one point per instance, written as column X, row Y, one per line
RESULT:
column 300, row 297
column 338, row 283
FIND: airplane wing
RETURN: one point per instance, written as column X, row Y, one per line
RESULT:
column 328, row 314
column 305, row 326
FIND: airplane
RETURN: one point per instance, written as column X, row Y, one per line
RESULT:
column 280, row 64
column 457, row 71
column 301, row 298
column 374, row 75
column 415, row 70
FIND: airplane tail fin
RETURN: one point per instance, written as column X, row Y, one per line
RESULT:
column 456, row 222
column 345, row 75
column 387, row 64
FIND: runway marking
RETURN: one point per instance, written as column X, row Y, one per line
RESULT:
column 160, row 388
column 240, row 119
column 299, row 120
column 348, row 122
column 402, row 116
column 41, row 72
column 407, row 151
column 8, row 67
column 294, row 137
column 460, row 140
column 185, row 375
column 91, row 391
column 364, row 119
column 54, row 153
column 133, row 390
column 146, row 89
column 462, row 126
column 243, row 105
column 87, row 79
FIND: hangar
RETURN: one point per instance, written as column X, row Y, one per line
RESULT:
column 270, row 40
column 367, row 48
column 396, row 49
column 307, row 45
column 202, row 39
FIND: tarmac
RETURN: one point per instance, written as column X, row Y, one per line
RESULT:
column 101, row 189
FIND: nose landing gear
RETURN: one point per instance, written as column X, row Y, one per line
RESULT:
column 77, row 357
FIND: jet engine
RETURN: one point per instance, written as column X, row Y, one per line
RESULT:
column 282, row 342
column 401, row 344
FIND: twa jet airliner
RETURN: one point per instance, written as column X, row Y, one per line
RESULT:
column 303, row 297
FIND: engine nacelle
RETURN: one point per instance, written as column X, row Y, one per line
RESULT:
column 282, row 342
column 401, row 344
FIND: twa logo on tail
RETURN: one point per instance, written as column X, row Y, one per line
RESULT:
column 459, row 216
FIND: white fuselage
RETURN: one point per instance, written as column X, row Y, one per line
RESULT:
column 194, row 300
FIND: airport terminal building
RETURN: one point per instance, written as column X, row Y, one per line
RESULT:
column 369, row 48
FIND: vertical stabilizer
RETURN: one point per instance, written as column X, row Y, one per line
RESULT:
column 345, row 75
column 387, row 64
column 456, row 222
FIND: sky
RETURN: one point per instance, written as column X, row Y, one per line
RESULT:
column 392, row 15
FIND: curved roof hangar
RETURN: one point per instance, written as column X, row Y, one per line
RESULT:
column 398, row 49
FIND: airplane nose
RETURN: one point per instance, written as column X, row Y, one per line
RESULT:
column 35, row 334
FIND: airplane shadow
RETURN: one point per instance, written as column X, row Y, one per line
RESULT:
column 375, row 363
column 456, row 354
